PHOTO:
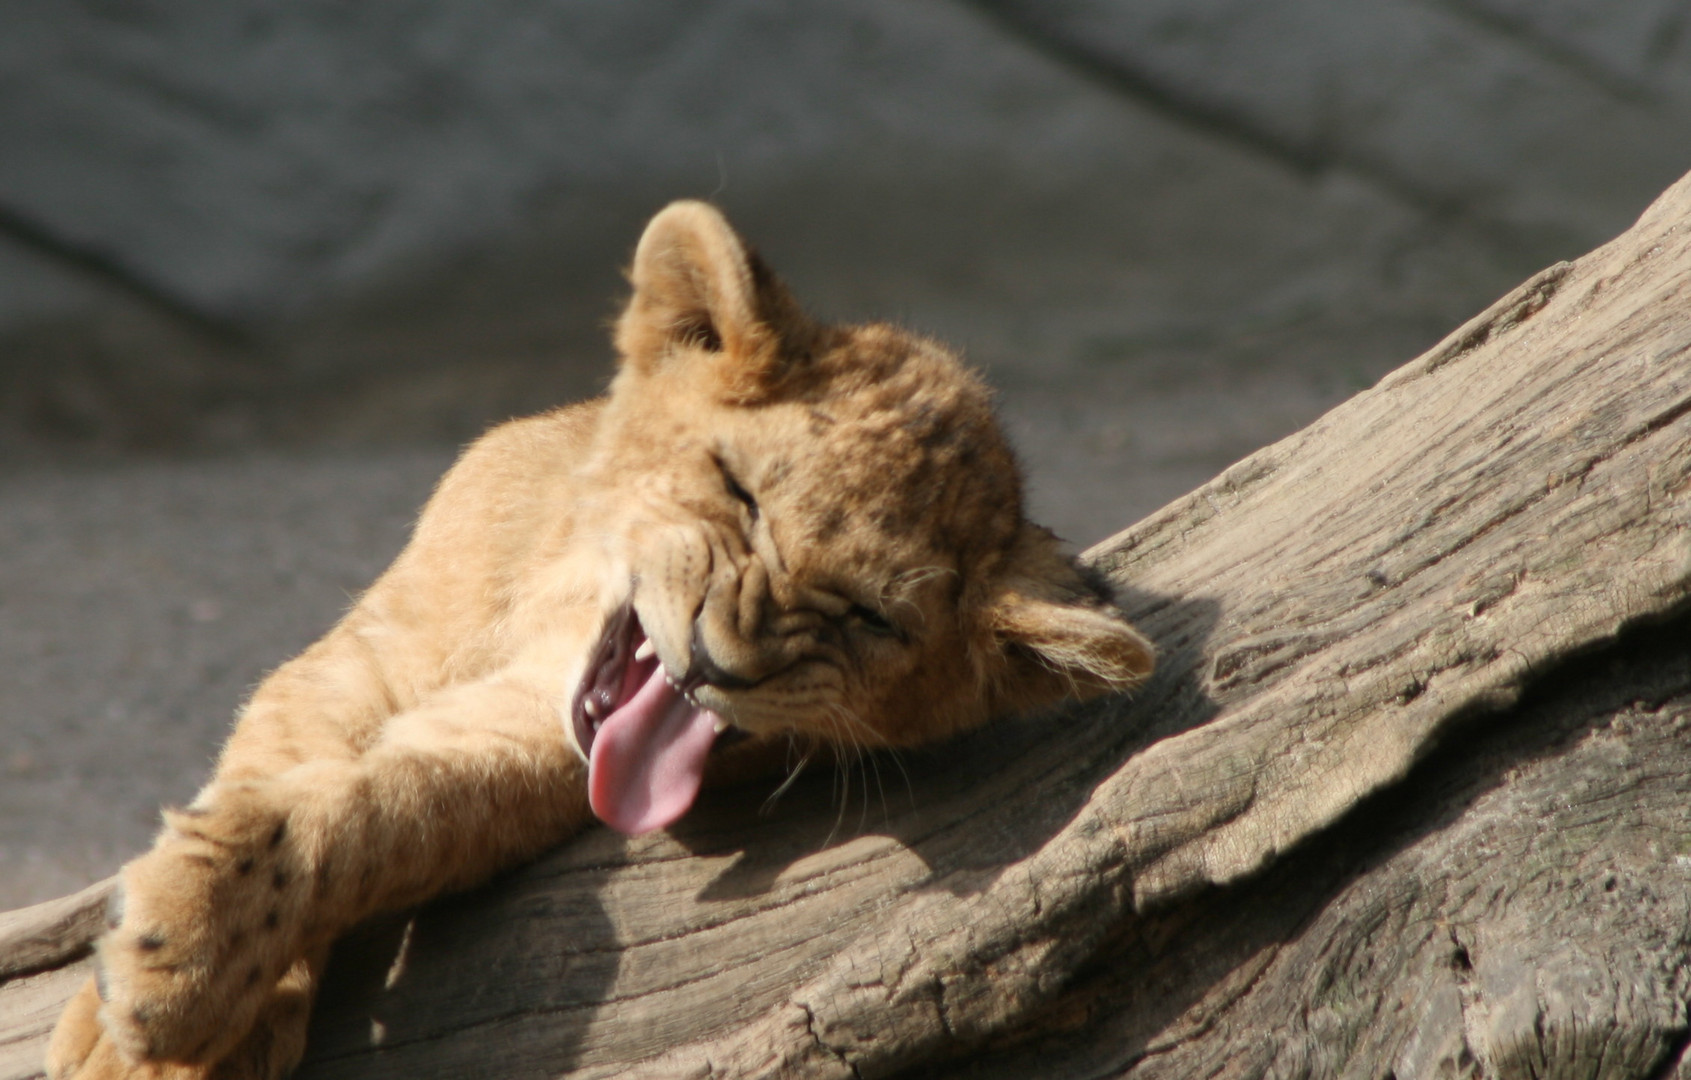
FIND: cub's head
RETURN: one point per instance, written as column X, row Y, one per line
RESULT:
column 806, row 529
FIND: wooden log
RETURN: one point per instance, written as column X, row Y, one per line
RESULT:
column 1407, row 797
column 46, row 951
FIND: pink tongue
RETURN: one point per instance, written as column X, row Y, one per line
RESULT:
column 648, row 758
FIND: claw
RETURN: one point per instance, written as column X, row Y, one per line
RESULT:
column 114, row 907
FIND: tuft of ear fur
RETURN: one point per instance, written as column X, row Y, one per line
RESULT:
column 1060, row 634
column 699, row 289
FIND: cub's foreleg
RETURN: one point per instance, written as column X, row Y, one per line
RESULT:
column 263, row 872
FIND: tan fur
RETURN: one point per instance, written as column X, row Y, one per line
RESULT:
column 830, row 515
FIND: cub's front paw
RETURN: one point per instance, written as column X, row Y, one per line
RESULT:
column 204, row 927
column 76, row 1049
column 81, row 1050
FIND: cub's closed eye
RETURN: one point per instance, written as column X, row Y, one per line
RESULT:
column 736, row 489
column 872, row 620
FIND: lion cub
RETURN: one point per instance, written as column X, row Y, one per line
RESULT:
column 769, row 528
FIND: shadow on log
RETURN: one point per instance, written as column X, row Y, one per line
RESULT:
column 1410, row 795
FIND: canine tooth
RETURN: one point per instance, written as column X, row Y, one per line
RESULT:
column 646, row 650
column 721, row 725
column 591, row 704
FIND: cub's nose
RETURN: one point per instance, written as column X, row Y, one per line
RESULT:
column 702, row 669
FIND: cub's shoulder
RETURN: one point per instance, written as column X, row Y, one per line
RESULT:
column 530, row 448
column 515, row 461
column 504, row 494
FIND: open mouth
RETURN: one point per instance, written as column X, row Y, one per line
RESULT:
column 646, row 738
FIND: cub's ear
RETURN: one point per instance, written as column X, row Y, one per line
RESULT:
column 1058, row 632
column 699, row 289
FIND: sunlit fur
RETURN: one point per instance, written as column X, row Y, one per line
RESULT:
column 830, row 511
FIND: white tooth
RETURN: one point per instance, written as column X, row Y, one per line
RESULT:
column 721, row 725
column 646, row 650
column 591, row 704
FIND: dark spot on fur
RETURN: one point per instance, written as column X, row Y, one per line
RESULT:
column 928, row 427
column 833, row 523
column 276, row 836
column 244, row 867
column 254, row 975
column 896, row 520
column 152, row 942
column 141, row 1015
column 272, row 919
column 200, row 1051
column 279, row 880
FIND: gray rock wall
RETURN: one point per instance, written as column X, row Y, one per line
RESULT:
column 1545, row 123
column 251, row 164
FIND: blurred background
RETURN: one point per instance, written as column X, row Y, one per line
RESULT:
column 265, row 265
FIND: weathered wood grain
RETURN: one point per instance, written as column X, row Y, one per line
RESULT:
column 46, row 935
column 1330, row 838
column 45, row 954
column 1519, row 907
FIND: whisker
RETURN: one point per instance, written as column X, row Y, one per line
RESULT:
column 863, row 815
column 847, row 742
column 768, row 806
column 888, row 751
